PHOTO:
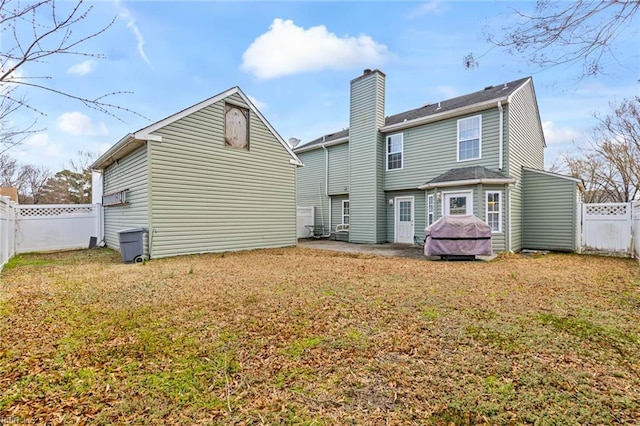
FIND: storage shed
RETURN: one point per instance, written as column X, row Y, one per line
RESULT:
column 213, row 177
column 550, row 211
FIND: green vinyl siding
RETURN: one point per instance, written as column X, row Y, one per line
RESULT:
column 366, row 153
column 208, row 197
column 310, row 185
column 338, row 169
column 549, row 212
column 525, row 149
column 128, row 173
column 336, row 209
column 431, row 149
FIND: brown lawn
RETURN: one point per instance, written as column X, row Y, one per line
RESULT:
column 312, row 337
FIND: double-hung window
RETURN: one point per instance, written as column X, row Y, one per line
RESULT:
column 394, row 151
column 345, row 212
column 494, row 210
column 430, row 209
column 469, row 138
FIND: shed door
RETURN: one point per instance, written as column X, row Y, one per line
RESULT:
column 404, row 220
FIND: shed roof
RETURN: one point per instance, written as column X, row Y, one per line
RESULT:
column 489, row 93
column 132, row 141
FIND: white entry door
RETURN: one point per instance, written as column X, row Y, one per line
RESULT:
column 458, row 203
column 404, row 220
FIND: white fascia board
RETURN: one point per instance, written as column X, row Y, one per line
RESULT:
column 546, row 173
column 326, row 144
column 487, row 181
column 444, row 115
column 99, row 164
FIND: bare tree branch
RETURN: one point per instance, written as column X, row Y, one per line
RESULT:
column 32, row 33
column 557, row 33
column 610, row 167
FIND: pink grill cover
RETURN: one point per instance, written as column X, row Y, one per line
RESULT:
column 458, row 235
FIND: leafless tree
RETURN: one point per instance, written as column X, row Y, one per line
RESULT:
column 610, row 167
column 27, row 179
column 32, row 32
column 559, row 32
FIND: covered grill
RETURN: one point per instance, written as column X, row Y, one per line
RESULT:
column 463, row 236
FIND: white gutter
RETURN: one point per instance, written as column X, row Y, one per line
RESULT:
column 485, row 181
column 500, row 137
column 332, row 143
column 326, row 171
column 510, row 222
column 442, row 115
column 111, row 152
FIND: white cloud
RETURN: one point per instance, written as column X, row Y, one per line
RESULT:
column 430, row 8
column 556, row 136
column 77, row 124
column 258, row 104
column 41, row 143
column 125, row 14
column 288, row 49
column 83, row 68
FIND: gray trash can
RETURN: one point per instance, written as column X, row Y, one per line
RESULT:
column 131, row 244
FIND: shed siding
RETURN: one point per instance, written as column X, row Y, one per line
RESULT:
column 209, row 198
column 431, row 150
column 310, row 185
column 338, row 169
column 549, row 212
column 525, row 149
column 128, row 173
column 366, row 174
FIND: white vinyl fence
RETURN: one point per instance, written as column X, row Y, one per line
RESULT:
column 607, row 229
column 7, row 230
column 305, row 219
column 47, row 227
column 636, row 230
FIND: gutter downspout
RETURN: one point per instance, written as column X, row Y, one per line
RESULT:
column 326, row 179
column 500, row 137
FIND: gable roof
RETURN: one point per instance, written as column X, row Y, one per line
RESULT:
column 468, row 176
column 133, row 141
column 430, row 112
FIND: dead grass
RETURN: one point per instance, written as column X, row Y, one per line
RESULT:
column 311, row 337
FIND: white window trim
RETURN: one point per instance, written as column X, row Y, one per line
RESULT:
column 479, row 157
column 431, row 202
column 444, row 199
column 500, row 213
column 343, row 215
column 387, row 153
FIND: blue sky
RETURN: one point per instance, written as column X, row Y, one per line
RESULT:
column 295, row 60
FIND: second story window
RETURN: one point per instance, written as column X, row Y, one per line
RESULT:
column 394, row 151
column 469, row 138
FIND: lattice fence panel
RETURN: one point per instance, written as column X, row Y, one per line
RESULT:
column 607, row 209
column 57, row 211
